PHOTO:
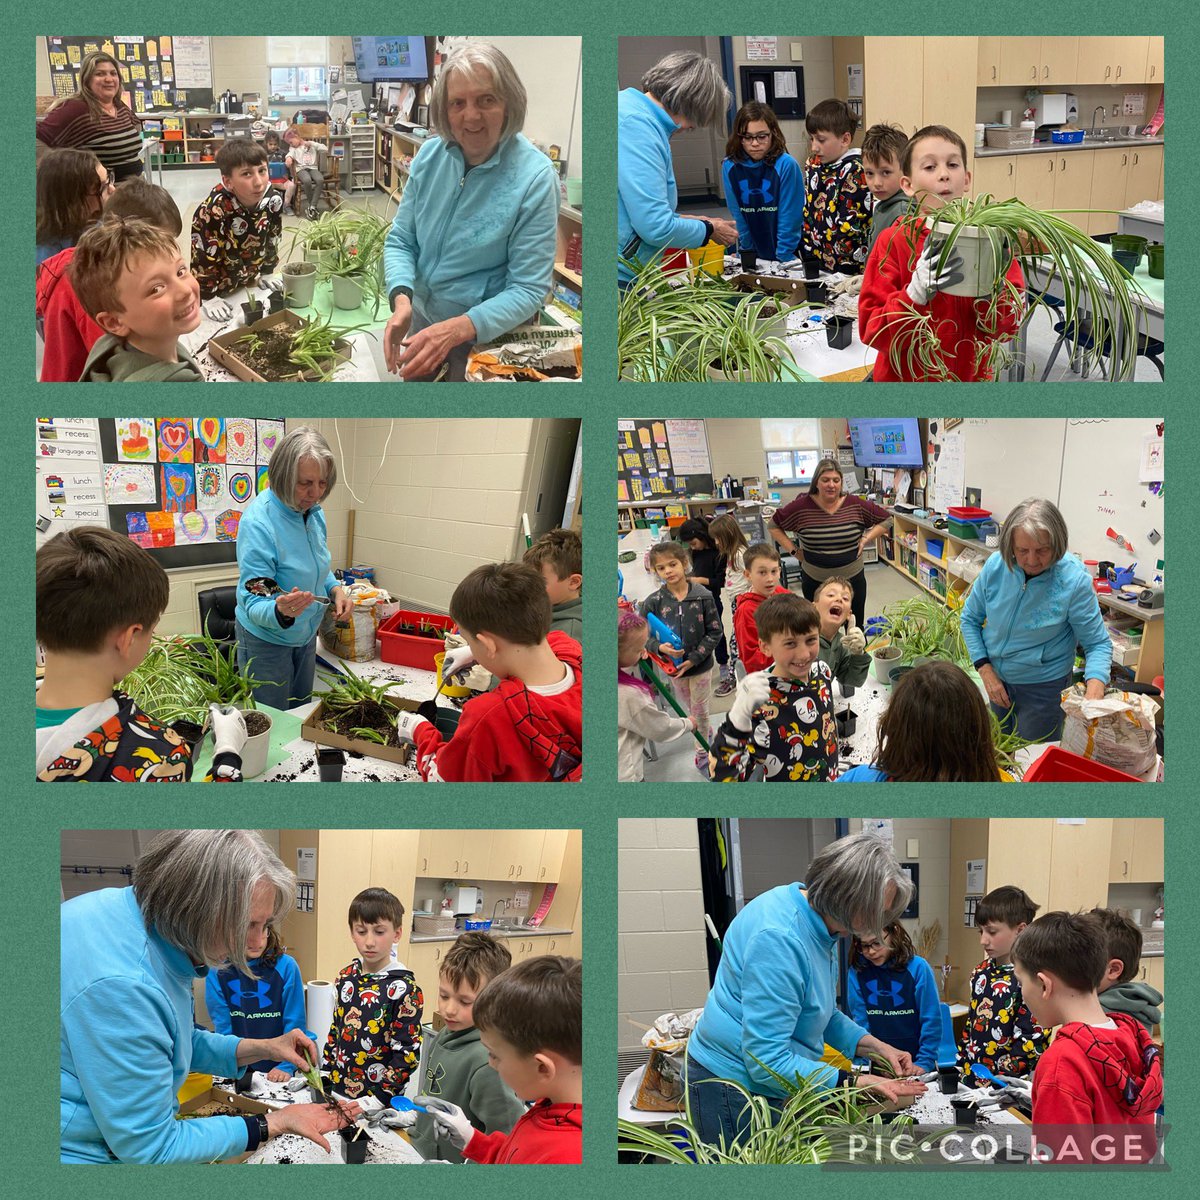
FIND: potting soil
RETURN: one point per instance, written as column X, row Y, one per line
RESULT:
column 370, row 714
column 256, row 722
column 301, row 767
column 270, row 359
column 291, row 1149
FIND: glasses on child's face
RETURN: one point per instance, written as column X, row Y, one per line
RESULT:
column 756, row 137
column 106, row 186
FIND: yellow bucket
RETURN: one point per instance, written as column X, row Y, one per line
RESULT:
column 195, row 1085
column 449, row 689
column 710, row 257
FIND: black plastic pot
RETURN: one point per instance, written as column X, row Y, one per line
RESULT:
column 252, row 310
column 818, row 293
column 839, row 331
column 330, row 763
column 356, row 1147
column 276, row 302
column 966, row 1112
column 948, row 1080
column 191, row 733
column 749, row 260
column 812, row 267
column 244, row 1082
column 847, row 723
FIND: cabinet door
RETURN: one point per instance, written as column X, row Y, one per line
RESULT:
column 1060, row 60
column 1154, row 60
column 439, row 853
column 424, row 961
column 516, row 854
column 1077, row 880
column 475, row 846
column 988, row 62
column 1146, row 864
column 1110, row 173
column 1145, row 170
column 1153, row 972
column 1035, row 179
column 1130, row 55
column 1095, row 60
column 890, row 64
column 1121, row 856
column 1073, row 186
column 551, row 861
column 995, row 176
column 1020, row 61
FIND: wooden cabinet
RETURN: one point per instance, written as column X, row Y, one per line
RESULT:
column 948, row 94
column 1059, row 61
column 1130, row 58
column 1154, row 60
column 1144, row 175
column 1035, row 179
column 1114, row 60
column 1055, row 863
column 988, row 61
column 1152, row 971
column 424, row 960
column 1109, row 185
column 1137, row 850
column 1073, row 186
column 890, row 65
column 551, row 861
column 1020, row 61
column 516, row 854
column 454, row 853
column 995, row 176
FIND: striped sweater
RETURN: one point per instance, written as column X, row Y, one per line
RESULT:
column 828, row 542
column 115, row 141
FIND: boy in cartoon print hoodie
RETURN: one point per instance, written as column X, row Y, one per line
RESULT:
column 233, row 245
column 1000, row 1031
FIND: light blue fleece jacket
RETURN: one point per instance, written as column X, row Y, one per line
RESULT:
column 1029, row 627
column 774, row 997
column 479, row 242
column 128, row 1041
column 646, row 189
column 276, row 542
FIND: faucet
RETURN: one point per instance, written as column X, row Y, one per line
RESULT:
column 1098, row 109
column 498, row 904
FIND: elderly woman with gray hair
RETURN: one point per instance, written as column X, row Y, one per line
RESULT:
column 284, row 576
column 130, row 957
column 1030, row 607
column 470, row 254
column 682, row 91
column 773, row 1004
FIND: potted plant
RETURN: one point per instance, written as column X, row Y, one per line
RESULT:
column 283, row 352
column 357, row 708
column 299, row 283
column 320, row 238
column 354, row 265
column 987, row 233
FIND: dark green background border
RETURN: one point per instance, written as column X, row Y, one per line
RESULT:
column 29, row 937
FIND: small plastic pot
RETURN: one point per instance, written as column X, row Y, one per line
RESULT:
column 948, row 1078
column 299, row 283
column 818, row 293
column 330, row 763
column 847, row 723
column 749, row 260
column 356, row 1147
column 1128, row 259
column 252, row 311
column 276, row 302
column 1155, row 253
column 347, row 293
column 812, row 267
column 1129, row 242
column 244, row 1082
column 966, row 1112
column 839, row 331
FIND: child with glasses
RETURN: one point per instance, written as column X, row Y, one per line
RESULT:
column 72, row 186
column 764, row 185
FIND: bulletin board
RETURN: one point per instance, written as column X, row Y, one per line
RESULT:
column 159, row 71
column 660, row 458
column 177, row 486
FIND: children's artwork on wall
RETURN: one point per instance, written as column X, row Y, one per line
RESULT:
column 174, row 439
column 178, row 487
column 162, row 529
column 139, row 529
column 193, row 528
column 210, row 487
column 240, row 444
column 210, row 439
column 270, row 433
column 241, row 487
column 135, row 439
column 227, row 525
column 262, row 482
column 129, row 483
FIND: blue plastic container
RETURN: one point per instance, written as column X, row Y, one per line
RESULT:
column 934, row 547
column 1062, row 138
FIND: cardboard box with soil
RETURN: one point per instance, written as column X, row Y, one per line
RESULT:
column 314, row 730
column 269, row 363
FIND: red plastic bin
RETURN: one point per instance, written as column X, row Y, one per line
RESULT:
column 407, row 650
column 1056, row 765
column 969, row 514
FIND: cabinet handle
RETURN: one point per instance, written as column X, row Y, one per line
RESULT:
column 1051, row 164
column 1107, row 72
column 1152, row 70
column 1046, row 74
column 1136, row 157
column 466, row 866
column 553, row 944
column 437, row 954
column 424, row 864
column 519, row 870
column 1010, row 168
column 1125, row 866
column 1125, row 159
column 542, row 873
column 1118, row 72
column 1033, row 72
column 1062, row 166
column 456, row 866
column 511, row 870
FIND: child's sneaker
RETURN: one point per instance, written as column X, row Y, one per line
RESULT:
column 727, row 685
column 702, row 763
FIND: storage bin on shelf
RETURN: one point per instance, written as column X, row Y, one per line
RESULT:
column 961, row 513
column 966, row 530
column 407, row 649
column 934, row 547
column 967, row 563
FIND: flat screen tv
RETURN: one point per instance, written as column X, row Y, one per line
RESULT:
column 383, row 58
column 887, row 442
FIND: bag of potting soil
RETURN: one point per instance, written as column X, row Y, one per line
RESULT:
column 1117, row 731
column 353, row 640
column 662, row 1086
column 528, row 355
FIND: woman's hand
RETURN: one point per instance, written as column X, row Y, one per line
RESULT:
column 311, row 1121
column 899, row 1060
column 995, row 686
column 275, row 1075
column 395, row 330
column 424, row 352
column 291, row 604
column 343, row 606
column 295, row 1047
column 724, row 231
column 1095, row 689
column 895, row 1091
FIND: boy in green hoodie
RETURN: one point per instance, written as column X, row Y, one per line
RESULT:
column 457, row 1068
column 1119, row 991
column 132, row 281
column 844, row 652
column 559, row 556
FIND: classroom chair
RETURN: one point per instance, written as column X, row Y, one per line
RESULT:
column 217, row 615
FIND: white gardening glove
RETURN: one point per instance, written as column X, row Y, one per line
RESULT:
column 1022, row 1089
column 407, row 724
column 853, row 638
column 851, row 286
column 457, row 662
column 229, row 730
column 752, row 693
column 217, row 309
column 297, row 1083
column 389, row 1118
column 450, row 1122
column 272, row 283
column 928, row 278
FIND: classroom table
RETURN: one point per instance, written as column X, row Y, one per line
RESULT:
column 1040, row 276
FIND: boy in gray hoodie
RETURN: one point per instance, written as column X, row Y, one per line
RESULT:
column 1119, row 991
column 559, row 556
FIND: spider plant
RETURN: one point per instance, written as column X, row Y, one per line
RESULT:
column 813, row 1126
column 925, row 628
column 671, row 330
column 358, row 252
column 1092, row 282
column 351, row 698
column 1007, row 745
column 313, row 347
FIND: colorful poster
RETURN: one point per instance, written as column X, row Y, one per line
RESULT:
column 262, row 483
column 174, row 439
column 139, row 529
column 210, row 440
column 129, row 483
column 210, row 487
column 192, row 528
column 240, row 444
column 241, row 487
column 178, row 487
column 270, row 433
column 162, row 529
column 227, row 525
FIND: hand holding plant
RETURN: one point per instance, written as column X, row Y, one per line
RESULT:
column 934, row 272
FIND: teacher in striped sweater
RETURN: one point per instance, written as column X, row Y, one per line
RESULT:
column 97, row 118
column 828, row 531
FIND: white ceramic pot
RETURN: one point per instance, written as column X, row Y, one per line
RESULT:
column 254, row 753
column 299, row 283
column 882, row 661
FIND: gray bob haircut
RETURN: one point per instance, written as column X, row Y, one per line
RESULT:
column 284, row 466
column 194, row 886
column 466, row 60
column 1042, row 521
column 848, row 879
column 688, row 85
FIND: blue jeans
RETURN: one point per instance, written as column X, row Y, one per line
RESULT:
column 457, row 357
column 1037, row 709
column 718, row 1110
column 286, row 671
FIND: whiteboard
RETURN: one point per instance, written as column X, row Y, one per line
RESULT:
column 1088, row 466
column 193, row 62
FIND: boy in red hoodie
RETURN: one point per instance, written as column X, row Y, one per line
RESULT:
column 69, row 332
column 530, row 728
column 1096, row 1089
column 762, row 572
column 904, row 280
column 530, row 1019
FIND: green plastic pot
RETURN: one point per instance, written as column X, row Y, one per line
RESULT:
column 1155, row 251
column 1130, row 242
